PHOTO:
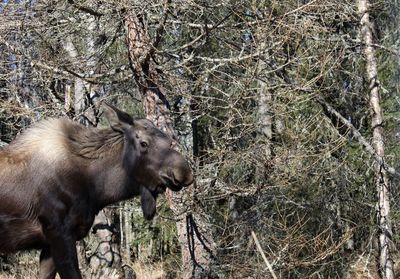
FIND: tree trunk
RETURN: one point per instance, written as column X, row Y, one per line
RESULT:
column 78, row 84
column 105, row 260
column 193, row 230
column 85, row 94
column 264, row 112
column 264, row 119
column 381, row 180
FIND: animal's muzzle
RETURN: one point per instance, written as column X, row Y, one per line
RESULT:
column 177, row 172
column 176, row 182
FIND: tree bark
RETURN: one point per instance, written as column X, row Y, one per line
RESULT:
column 127, row 229
column 381, row 180
column 78, row 84
column 105, row 260
column 85, row 94
column 265, row 118
column 193, row 230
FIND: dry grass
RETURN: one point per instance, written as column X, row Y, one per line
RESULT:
column 24, row 265
column 27, row 268
column 363, row 268
column 145, row 271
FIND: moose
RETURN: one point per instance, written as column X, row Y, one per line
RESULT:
column 58, row 174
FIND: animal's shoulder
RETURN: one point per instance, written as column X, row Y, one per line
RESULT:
column 45, row 139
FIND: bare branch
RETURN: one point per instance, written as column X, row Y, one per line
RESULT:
column 363, row 141
column 160, row 27
column 85, row 9
column 91, row 78
column 263, row 255
column 230, row 59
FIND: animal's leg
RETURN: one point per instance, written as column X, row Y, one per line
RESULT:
column 65, row 258
column 47, row 268
column 62, row 248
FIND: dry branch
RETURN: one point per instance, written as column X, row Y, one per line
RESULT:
column 259, row 248
column 362, row 140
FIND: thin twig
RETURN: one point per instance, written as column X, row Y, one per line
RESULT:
column 263, row 255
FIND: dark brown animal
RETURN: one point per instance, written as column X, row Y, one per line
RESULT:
column 58, row 174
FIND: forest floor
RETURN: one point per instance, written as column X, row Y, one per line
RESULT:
column 26, row 266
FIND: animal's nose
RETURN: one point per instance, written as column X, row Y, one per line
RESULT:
column 179, row 171
column 183, row 173
column 183, row 179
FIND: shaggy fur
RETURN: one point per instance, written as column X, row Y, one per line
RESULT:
column 58, row 174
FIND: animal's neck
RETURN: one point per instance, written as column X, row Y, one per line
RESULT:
column 102, row 150
column 113, row 183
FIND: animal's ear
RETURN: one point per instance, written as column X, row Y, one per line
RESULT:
column 148, row 201
column 117, row 118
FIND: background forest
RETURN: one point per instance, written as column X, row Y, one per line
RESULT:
column 269, row 99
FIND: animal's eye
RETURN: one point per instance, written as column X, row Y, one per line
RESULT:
column 144, row 144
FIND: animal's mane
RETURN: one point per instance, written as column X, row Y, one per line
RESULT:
column 92, row 143
column 58, row 135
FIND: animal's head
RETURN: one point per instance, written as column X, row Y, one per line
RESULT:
column 149, row 158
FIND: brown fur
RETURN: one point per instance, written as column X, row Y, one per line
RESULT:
column 58, row 174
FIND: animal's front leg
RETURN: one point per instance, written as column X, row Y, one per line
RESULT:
column 63, row 251
column 47, row 268
column 62, row 248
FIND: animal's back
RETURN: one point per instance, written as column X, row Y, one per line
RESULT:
column 22, row 166
column 26, row 169
column 34, row 158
